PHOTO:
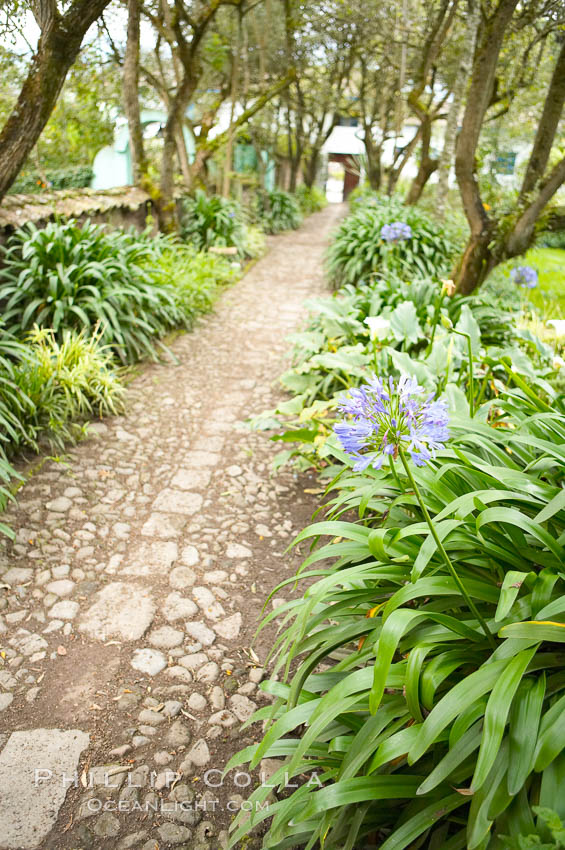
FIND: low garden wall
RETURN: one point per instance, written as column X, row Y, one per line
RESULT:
column 123, row 207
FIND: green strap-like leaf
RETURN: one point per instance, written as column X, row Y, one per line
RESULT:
column 392, row 631
column 467, row 691
column 360, row 789
column 456, row 755
column 496, row 714
column 513, row 581
column 535, row 630
column 523, row 732
column 424, row 820
column 521, row 521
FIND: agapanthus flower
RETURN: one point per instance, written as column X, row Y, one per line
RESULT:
column 396, row 232
column 383, row 416
column 525, row 276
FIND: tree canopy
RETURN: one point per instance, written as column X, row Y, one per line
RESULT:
column 485, row 76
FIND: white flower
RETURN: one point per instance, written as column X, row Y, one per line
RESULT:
column 558, row 325
column 558, row 362
column 378, row 328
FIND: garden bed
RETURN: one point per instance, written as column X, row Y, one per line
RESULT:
column 426, row 693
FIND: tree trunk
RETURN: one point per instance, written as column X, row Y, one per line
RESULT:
column 373, row 154
column 294, row 153
column 166, row 213
column 425, row 171
column 57, row 50
column 537, row 189
column 207, row 148
column 310, row 169
column 547, row 127
column 522, row 234
column 228, row 163
column 478, row 99
column 477, row 260
column 427, row 164
column 461, row 80
column 131, row 94
column 293, row 174
column 397, row 166
column 476, row 263
column 182, row 154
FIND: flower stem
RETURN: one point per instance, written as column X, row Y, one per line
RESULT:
column 484, row 386
column 473, row 608
column 471, row 377
column 435, row 321
column 471, row 381
column 395, row 475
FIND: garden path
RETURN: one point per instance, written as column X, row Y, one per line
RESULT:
column 130, row 597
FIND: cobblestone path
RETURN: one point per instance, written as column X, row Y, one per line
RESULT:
column 129, row 600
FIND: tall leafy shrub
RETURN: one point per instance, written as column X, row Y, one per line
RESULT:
column 423, row 731
column 196, row 277
column 277, row 211
column 211, row 220
column 67, row 276
column 48, row 389
column 310, row 199
column 358, row 250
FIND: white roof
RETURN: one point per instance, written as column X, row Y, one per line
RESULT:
column 345, row 140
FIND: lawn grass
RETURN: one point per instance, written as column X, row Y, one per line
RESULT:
column 549, row 296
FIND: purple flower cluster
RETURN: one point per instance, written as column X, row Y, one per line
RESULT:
column 525, row 276
column 383, row 417
column 396, row 232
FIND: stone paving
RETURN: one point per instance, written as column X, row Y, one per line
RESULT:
column 131, row 595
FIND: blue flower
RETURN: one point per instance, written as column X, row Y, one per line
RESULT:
column 525, row 276
column 396, row 232
column 382, row 417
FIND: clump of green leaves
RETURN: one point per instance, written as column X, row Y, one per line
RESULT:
column 67, row 276
column 358, row 252
column 196, row 277
column 211, row 220
column 551, row 239
column 75, row 177
column 549, row 836
column 67, row 382
column 48, row 389
column 254, row 242
column 421, row 730
column 335, row 351
column 310, row 199
column 277, row 211
column 75, row 299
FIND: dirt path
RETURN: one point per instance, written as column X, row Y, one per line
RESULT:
column 129, row 600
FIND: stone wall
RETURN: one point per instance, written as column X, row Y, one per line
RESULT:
column 117, row 208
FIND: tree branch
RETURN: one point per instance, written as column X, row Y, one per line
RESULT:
column 547, row 127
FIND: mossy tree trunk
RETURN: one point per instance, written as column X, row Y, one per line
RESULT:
column 58, row 47
column 131, row 94
column 490, row 244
